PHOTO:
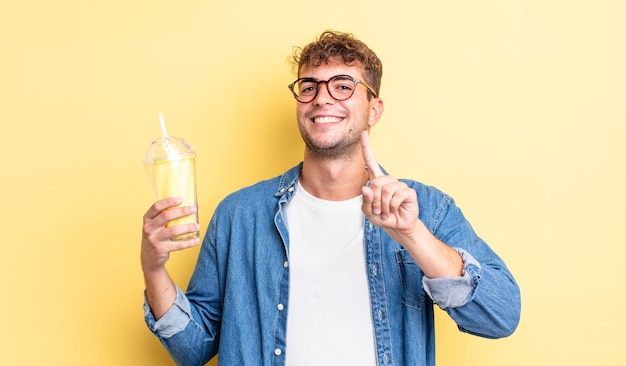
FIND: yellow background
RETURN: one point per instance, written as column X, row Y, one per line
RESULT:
column 515, row 108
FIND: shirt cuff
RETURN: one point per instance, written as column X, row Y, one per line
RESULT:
column 453, row 292
column 173, row 321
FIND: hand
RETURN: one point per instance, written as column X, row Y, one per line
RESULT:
column 156, row 239
column 387, row 202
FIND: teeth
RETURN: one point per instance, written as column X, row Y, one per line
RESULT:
column 326, row 119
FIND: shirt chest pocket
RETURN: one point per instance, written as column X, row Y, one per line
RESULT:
column 410, row 280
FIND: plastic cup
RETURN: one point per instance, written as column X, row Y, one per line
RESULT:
column 171, row 167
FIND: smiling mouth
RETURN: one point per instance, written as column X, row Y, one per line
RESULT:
column 322, row 120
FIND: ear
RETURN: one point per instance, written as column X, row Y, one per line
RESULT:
column 376, row 111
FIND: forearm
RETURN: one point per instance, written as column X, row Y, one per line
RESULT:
column 160, row 291
column 433, row 256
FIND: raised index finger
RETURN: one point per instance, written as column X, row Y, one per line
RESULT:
column 368, row 155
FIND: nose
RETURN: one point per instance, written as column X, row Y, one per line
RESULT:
column 323, row 95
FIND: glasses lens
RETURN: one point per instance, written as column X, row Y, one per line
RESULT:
column 341, row 87
column 305, row 89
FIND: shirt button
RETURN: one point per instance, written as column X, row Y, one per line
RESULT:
column 374, row 270
column 286, row 264
column 280, row 307
column 291, row 189
column 278, row 352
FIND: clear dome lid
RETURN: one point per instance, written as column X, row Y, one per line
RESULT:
column 168, row 148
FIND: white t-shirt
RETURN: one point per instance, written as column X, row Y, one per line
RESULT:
column 329, row 316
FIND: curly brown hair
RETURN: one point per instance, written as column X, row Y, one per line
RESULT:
column 331, row 46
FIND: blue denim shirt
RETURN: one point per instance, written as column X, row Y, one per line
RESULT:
column 238, row 296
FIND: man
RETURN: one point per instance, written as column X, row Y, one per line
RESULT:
column 333, row 263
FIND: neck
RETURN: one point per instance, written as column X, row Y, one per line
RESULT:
column 334, row 179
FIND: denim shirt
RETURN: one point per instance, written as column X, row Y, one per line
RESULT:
column 238, row 296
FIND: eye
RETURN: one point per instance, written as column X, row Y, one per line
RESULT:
column 345, row 87
column 342, row 84
column 307, row 87
column 308, row 90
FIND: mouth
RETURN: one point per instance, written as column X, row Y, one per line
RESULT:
column 327, row 119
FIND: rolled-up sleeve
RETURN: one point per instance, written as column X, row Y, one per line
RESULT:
column 453, row 292
column 173, row 321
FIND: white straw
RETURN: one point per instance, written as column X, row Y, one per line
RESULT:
column 163, row 130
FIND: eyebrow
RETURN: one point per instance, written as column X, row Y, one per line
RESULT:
column 346, row 76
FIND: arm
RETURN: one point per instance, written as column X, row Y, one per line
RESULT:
column 169, row 313
column 493, row 305
column 156, row 246
column 463, row 275
column 392, row 205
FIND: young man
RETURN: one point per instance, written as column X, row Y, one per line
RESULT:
column 333, row 263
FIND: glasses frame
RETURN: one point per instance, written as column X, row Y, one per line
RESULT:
column 317, row 89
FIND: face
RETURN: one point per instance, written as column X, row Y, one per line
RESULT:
column 330, row 128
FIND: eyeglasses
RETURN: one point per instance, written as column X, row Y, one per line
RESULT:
column 340, row 87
